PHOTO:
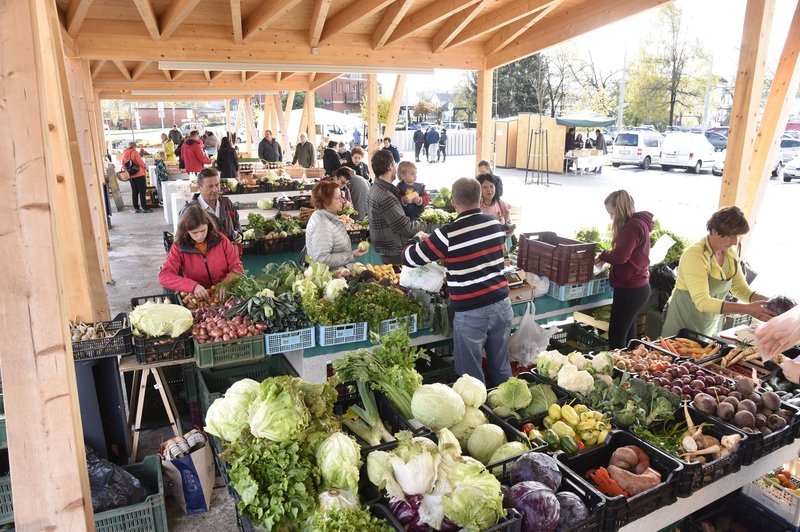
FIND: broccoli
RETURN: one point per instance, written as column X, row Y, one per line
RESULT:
column 628, row 415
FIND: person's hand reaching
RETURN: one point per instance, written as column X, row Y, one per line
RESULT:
column 200, row 293
column 779, row 333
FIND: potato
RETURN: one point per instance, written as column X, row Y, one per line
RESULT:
column 771, row 400
column 744, row 418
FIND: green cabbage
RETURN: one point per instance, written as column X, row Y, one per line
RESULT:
column 513, row 394
column 161, row 319
column 264, row 203
column 508, row 450
column 485, row 440
column 448, row 444
column 463, row 429
column 279, row 413
column 339, row 459
column 437, row 406
column 476, row 502
column 471, row 390
column 542, row 396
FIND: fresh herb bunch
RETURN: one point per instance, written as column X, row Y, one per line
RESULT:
column 388, row 367
column 666, row 436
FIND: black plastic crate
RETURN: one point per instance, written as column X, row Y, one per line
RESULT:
column 169, row 238
column 572, row 482
column 270, row 246
column 172, row 298
column 621, row 510
column 573, row 337
column 392, row 419
column 358, row 235
column 740, row 509
column 118, row 344
column 696, row 475
column 512, row 522
column 440, row 369
column 382, row 512
column 149, row 350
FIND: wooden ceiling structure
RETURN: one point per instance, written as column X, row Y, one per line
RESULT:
column 60, row 58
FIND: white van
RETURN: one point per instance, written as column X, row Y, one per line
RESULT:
column 638, row 147
column 691, row 151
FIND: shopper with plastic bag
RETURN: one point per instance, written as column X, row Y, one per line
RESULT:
column 778, row 335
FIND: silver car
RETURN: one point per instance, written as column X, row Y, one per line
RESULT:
column 791, row 170
column 791, row 148
column 778, row 168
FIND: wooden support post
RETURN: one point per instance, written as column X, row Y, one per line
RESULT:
column 311, row 117
column 746, row 100
column 228, row 117
column 394, row 107
column 304, row 119
column 484, row 133
column 40, row 396
column 248, row 113
column 269, row 113
column 237, row 121
column 283, row 123
column 773, row 121
column 372, row 115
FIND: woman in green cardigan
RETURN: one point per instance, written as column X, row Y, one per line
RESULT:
column 707, row 271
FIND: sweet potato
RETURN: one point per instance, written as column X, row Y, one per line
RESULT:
column 632, row 483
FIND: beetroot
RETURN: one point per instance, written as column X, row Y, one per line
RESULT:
column 780, row 304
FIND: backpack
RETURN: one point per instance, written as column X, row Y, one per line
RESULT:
column 132, row 168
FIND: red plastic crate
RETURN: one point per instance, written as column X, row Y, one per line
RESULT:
column 562, row 260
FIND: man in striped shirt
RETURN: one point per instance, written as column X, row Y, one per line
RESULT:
column 472, row 251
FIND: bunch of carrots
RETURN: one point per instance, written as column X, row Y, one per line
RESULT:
column 688, row 348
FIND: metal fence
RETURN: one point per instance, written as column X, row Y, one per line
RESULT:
column 459, row 141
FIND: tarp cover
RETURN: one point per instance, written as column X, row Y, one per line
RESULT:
column 585, row 119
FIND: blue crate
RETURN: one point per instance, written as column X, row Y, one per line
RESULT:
column 289, row 341
column 342, row 334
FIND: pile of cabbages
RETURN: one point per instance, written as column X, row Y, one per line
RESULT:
column 534, row 493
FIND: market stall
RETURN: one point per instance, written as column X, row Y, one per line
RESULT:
column 576, row 158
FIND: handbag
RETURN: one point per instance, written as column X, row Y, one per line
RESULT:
column 132, row 168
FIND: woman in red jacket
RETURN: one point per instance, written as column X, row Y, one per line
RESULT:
column 200, row 257
column 137, row 179
column 629, row 258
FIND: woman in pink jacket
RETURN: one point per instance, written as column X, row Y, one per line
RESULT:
column 200, row 257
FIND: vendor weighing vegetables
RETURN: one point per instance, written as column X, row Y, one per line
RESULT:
column 200, row 257
column 708, row 270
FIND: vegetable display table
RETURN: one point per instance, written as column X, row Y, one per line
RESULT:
column 667, row 515
column 141, row 375
column 312, row 364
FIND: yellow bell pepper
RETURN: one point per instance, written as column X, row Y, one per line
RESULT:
column 554, row 412
column 569, row 415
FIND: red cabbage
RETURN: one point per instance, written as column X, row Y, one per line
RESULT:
column 537, row 504
column 539, row 467
column 573, row 510
column 780, row 304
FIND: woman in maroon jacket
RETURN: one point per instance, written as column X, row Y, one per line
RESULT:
column 200, row 257
column 629, row 258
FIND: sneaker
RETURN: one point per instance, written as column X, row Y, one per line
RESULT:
column 147, row 210
column 138, row 211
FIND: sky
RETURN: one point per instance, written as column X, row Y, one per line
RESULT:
column 717, row 23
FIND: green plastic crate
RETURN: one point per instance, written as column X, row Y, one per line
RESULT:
column 147, row 516
column 212, row 383
column 229, row 351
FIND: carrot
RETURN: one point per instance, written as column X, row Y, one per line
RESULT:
column 669, row 347
column 606, row 484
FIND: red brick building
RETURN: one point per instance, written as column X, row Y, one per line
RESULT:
column 344, row 94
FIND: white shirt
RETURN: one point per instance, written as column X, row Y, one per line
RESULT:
column 207, row 207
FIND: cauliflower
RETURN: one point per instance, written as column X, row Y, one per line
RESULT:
column 575, row 380
column 250, row 234
column 603, row 363
column 548, row 363
column 578, row 360
column 334, row 288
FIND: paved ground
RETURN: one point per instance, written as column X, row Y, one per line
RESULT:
column 683, row 202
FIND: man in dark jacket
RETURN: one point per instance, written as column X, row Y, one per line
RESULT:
column 389, row 227
column 442, row 146
column 304, row 153
column 175, row 135
column 269, row 150
column 431, row 139
column 472, row 250
column 391, row 148
column 330, row 158
column 221, row 209
column 419, row 140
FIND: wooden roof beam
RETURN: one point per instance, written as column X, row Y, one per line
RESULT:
column 122, row 68
column 264, row 16
column 507, row 35
column 496, row 19
column 98, row 66
column 567, row 24
column 174, row 16
column 214, row 74
column 236, row 20
column 207, row 74
column 455, row 25
column 321, row 79
column 428, row 16
column 177, row 74
column 139, row 69
column 244, row 76
column 251, row 75
column 350, row 16
column 318, row 17
column 76, row 13
column 389, row 21
column 149, row 18
column 167, row 74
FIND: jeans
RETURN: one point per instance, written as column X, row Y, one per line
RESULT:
column 443, row 152
column 139, row 191
column 417, row 149
column 482, row 328
column 626, row 305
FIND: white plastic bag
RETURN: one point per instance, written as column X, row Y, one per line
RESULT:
column 540, row 284
column 530, row 339
column 779, row 334
column 429, row 277
column 658, row 252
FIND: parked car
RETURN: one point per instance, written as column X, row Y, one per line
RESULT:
column 188, row 127
column 718, row 140
column 453, row 125
column 777, row 165
column 638, row 147
column 790, row 148
column 691, row 151
column 791, row 170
